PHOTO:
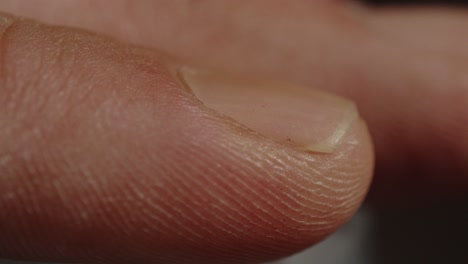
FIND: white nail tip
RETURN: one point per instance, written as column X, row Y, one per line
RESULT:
column 329, row 145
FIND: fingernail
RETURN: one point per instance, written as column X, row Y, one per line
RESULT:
column 306, row 118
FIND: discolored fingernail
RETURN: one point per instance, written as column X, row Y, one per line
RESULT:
column 307, row 118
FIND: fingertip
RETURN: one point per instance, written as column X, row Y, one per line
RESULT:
column 138, row 169
column 277, row 199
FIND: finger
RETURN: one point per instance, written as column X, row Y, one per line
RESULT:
column 423, row 143
column 405, row 68
column 105, row 158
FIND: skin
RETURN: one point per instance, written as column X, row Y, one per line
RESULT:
column 105, row 158
column 109, row 160
column 380, row 58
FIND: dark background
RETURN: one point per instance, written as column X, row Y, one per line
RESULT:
column 417, row 2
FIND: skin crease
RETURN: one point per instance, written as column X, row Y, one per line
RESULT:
column 405, row 68
column 105, row 159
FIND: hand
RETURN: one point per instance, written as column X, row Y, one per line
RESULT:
column 118, row 166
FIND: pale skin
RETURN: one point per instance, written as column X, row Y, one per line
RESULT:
column 104, row 158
